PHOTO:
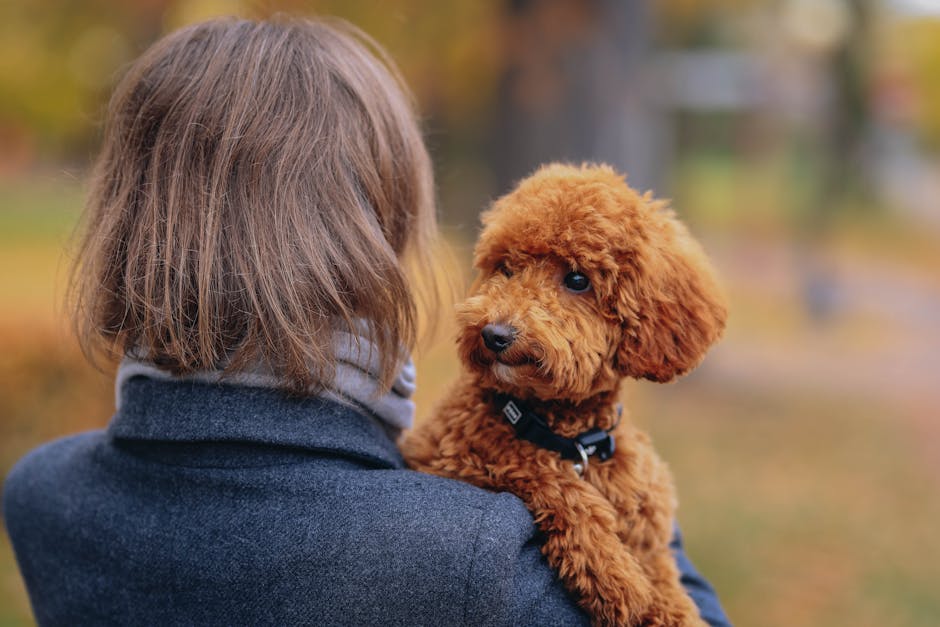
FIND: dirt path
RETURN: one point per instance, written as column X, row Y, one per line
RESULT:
column 879, row 342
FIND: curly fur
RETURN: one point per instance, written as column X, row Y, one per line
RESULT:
column 652, row 311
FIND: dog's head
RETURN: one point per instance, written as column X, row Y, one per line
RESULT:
column 582, row 281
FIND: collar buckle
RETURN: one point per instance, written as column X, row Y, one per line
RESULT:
column 581, row 466
column 596, row 441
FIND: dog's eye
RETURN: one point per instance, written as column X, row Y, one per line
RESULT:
column 505, row 271
column 577, row 282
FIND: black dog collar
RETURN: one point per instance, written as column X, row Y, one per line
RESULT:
column 529, row 426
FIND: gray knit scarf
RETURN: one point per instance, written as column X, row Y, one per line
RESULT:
column 355, row 384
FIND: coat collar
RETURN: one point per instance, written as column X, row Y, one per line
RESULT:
column 190, row 411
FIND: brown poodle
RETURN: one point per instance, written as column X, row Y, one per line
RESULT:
column 582, row 282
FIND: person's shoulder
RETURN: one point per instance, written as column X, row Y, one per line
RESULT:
column 45, row 476
column 52, row 461
column 430, row 494
column 446, row 509
column 492, row 536
column 49, row 468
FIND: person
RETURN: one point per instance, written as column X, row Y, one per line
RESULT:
column 258, row 220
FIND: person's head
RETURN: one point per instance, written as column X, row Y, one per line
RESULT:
column 260, row 184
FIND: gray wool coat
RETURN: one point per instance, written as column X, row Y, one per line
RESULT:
column 208, row 504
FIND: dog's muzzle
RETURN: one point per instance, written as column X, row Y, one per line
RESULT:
column 498, row 337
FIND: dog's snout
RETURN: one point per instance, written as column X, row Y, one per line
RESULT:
column 498, row 337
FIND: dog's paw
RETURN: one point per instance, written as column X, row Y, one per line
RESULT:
column 660, row 615
column 619, row 601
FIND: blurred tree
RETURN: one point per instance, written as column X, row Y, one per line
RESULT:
column 437, row 44
column 573, row 88
column 840, row 146
column 697, row 23
column 919, row 43
column 849, row 109
column 57, row 61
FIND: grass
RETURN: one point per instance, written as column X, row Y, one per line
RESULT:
column 806, row 510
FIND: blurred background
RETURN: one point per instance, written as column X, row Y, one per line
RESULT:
column 800, row 139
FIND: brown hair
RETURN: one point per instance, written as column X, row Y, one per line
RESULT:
column 260, row 185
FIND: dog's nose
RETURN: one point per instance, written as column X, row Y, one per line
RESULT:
column 498, row 337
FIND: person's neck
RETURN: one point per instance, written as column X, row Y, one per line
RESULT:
column 356, row 381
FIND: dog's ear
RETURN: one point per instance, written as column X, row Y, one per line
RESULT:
column 669, row 303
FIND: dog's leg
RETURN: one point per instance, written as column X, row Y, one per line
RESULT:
column 581, row 541
column 639, row 486
column 582, row 544
column 671, row 607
